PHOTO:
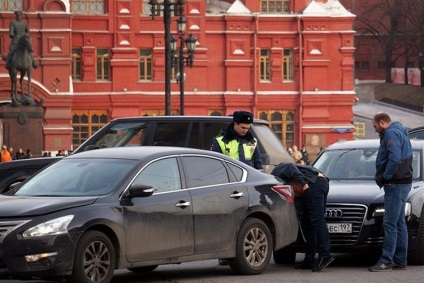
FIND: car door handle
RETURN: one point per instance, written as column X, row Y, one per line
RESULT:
column 183, row 204
column 236, row 195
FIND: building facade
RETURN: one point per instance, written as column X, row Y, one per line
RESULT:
column 289, row 62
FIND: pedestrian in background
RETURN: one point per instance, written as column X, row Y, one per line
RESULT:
column 28, row 153
column 311, row 187
column 12, row 153
column 5, row 154
column 20, row 154
column 296, row 154
column 394, row 174
column 305, row 155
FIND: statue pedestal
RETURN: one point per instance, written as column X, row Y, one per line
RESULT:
column 22, row 127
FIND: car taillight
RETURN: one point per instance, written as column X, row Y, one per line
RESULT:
column 286, row 191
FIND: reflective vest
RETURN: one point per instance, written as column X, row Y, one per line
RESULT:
column 233, row 148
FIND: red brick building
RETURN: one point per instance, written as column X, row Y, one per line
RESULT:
column 288, row 61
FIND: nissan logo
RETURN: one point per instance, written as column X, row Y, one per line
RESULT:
column 333, row 213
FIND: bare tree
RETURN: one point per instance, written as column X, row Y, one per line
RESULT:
column 384, row 21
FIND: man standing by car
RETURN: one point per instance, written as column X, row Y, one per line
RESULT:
column 313, row 186
column 394, row 174
column 237, row 142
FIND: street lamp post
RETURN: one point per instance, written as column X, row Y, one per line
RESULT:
column 181, row 60
column 177, row 7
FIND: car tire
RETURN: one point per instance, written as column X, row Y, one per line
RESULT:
column 143, row 269
column 253, row 248
column 284, row 256
column 417, row 257
column 94, row 259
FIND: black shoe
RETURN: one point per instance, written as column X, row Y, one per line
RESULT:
column 399, row 266
column 222, row 261
column 305, row 265
column 322, row 263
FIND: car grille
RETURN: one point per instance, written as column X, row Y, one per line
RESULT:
column 344, row 213
column 8, row 226
column 351, row 213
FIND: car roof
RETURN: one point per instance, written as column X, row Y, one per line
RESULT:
column 142, row 152
column 227, row 119
column 374, row 143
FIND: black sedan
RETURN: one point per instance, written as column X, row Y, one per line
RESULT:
column 136, row 208
column 355, row 204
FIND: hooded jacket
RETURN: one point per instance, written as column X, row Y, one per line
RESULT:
column 394, row 158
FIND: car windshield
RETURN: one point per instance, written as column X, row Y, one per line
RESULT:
column 78, row 177
column 356, row 164
column 348, row 164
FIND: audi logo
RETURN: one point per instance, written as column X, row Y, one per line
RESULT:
column 333, row 213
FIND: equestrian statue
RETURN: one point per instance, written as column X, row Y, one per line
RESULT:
column 19, row 59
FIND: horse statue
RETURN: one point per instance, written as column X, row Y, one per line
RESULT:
column 22, row 62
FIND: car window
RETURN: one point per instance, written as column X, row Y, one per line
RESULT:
column 203, row 171
column 237, row 172
column 124, row 134
column 269, row 143
column 78, row 177
column 211, row 130
column 172, row 133
column 163, row 175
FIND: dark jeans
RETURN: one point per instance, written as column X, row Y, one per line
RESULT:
column 316, row 234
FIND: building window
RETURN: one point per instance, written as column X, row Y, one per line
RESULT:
column 264, row 65
column 287, row 65
column 282, row 123
column 275, row 6
column 85, row 124
column 102, row 64
column 76, row 63
column 88, row 7
column 146, row 64
column 359, row 132
column 362, row 65
column 11, row 5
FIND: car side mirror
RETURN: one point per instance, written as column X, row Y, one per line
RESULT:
column 139, row 190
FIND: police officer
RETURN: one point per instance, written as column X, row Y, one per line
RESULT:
column 236, row 141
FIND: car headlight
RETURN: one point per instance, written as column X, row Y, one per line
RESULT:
column 379, row 210
column 52, row 227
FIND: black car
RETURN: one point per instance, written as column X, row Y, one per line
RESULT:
column 355, row 204
column 136, row 208
column 183, row 131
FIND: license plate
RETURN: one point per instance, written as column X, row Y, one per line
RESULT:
column 336, row 228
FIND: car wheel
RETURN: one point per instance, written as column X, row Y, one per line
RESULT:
column 94, row 259
column 417, row 257
column 143, row 269
column 253, row 248
column 284, row 256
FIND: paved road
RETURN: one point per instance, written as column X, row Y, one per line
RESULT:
column 346, row 268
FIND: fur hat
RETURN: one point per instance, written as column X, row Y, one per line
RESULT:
column 242, row 117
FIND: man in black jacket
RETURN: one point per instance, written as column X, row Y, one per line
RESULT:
column 312, row 186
